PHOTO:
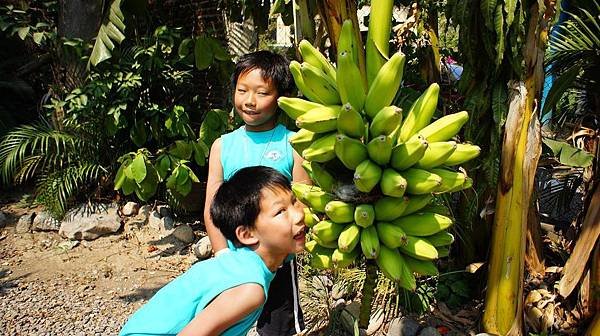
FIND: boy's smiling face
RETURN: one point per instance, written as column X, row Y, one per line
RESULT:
column 255, row 100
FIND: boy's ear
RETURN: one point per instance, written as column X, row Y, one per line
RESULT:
column 245, row 235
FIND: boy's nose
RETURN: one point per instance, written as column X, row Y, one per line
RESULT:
column 249, row 100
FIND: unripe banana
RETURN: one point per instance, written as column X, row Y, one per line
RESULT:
column 321, row 243
column 321, row 258
column 436, row 154
column 443, row 251
column 462, row 154
column 417, row 202
column 310, row 246
column 323, row 86
column 321, row 176
column 450, row 179
column 321, row 150
column 444, row 128
column 347, row 42
column 369, row 242
column 327, row 230
column 295, row 107
column 340, row 212
column 423, row 223
column 421, row 181
column 385, row 121
column 391, row 235
column 351, row 152
column 315, row 58
column 393, row 265
column 306, row 91
column 350, row 122
column 364, row 215
column 390, row 208
column 367, row 175
column 317, row 199
column 419, row 248
column 349, row 238
column 406, row 154
column 300, row 190
column 442, row 238
column 378, row 39
column 380, row 149
column 350, row 82
column 310, row 219
column 385, row 85
column 302, row 139
column 422, row 267
column 343, row 259
column 392, row 183
column 322, row 119
column 438, row 208
column 466, row 185
column 420, row 113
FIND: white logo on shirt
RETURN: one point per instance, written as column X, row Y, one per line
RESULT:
column 273, row 155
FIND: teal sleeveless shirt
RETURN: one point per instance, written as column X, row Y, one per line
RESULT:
column 177, row 303
column 271, row 148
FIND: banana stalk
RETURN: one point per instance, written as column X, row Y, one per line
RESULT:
column 368, row 292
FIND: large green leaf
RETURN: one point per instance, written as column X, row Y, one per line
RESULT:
column 499, row 26
column 488, row 9
column 203, row 53
column 109, row 33
column 138, row 168
column 560, row 86
column 569, row 155
column 509, row 7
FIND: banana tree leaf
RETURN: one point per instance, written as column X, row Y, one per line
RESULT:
column 569, row 155
column 560, row 85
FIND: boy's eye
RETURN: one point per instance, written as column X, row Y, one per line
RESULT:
column 241, row 90
column 280, row 211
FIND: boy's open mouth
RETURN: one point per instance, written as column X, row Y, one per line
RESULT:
column 300, row 235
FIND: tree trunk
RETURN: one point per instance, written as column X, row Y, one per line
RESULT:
column 79, row 18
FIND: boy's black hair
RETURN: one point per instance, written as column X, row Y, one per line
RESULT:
column 272, row 66
column 237, row 201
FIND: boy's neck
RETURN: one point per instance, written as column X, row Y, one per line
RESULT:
column 273, row 262
column 261, row 128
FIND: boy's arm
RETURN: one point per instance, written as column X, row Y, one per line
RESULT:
column 225, row 310
column 298, row 173
column 215, row 178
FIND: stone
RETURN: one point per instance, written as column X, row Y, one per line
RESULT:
column 403, row 327
column 145, row 210
column 167, row 223
column 202, row 249
column 3, row 219
column 25, row 222
column 164, row 210
column 89, row 226
column 130, row 209
column 185, row 233
column 429, row 331
column 45, row 222
column 155, row 221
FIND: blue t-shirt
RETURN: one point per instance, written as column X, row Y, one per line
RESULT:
column 241, row 148
column 177, row 303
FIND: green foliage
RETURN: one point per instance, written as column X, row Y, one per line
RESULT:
column 453, row 289
column 569, row 155
column 30, row 23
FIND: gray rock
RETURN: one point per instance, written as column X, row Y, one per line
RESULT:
column 130, row 209
column 429, row 331
column 403, row 327
column 184, row 233
column 81, row 226
column 44, row 222
column 155, row 221
column 164, row 210
column 167, row 223
column 145, row 210
column 202, row 249
column 3, row 219
column 25, row 222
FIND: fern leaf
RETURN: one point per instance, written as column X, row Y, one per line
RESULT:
column 488, row 10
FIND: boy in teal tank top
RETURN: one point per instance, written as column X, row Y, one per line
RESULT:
column 259, row 79
column 257, row 211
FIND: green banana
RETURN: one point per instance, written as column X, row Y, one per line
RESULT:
column 321, row 258
column 310, row 245
column 330, row 245
column 343, row 259
column 321, row 150
column 378, row 39
column 369, row 242
column 450, row 179
column 419, row 248
column 295, row 107
column 444, row 128
column 417, row 202
column 303, row 138
column 420, row 113
column 310, row 219
column 393, row 265
column 385, row 121
column 322, row 119
column 327, row 231
column 340, row 212
column 349, row 81
column 421, row 181
column 347, row 42
column 391, row 235
column 422, row 267
column 300, row 190
column 442, row 238
column 350, row 122
column 316, row 199
column 443, row 251
column 423, row 223
column 315, row 58
column 385, row 85
column 390, row 208
column 364, row 215
column 380, row 149
column 349, row 238
column 437, row 208
column 295, row 69
column 351, row 152
column 406, row 154
column 466, row 185
column 462, row 154
column 323, row 86
column 392, row 183
column 436, row 154
column 367, row 175
column 318, row 174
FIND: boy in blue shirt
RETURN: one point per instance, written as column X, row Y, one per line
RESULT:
column 259, row 79
column 257, row 211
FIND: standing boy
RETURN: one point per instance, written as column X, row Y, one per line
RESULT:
column 257, row 211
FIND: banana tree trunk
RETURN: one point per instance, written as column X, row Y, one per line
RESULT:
column 520, row 153
column 367, row 294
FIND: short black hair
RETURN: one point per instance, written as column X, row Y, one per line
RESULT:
column 237, row 201
column 273, row 66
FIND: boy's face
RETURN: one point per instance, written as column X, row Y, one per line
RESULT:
column 279, row 226
column 255, row 100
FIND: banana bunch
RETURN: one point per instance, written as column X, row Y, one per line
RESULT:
column 376, row 170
